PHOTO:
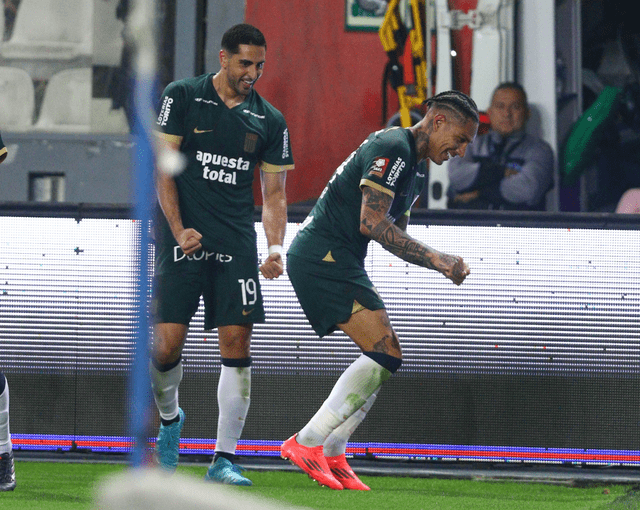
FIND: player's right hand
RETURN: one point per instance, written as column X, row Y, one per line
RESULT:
column 189, row 240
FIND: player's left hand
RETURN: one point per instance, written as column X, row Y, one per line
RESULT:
column 453, row 267
column 459, row 272
column 272, row 267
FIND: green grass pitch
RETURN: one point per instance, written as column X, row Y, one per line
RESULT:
column 70, row 486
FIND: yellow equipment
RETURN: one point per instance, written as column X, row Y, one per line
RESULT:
column 407, row 67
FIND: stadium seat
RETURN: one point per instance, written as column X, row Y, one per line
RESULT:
column 107, row 40
column 66, row 106
column 106, row 120
column 18, row 99
column 51, row 30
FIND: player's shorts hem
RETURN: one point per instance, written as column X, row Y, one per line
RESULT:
column 327, row 292
column 156, row 319
column 208, row 327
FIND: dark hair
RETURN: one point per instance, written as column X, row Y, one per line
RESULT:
column 456, row 101
column 242, row 34
column 512, row 85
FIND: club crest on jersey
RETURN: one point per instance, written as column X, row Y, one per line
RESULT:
column 250, row 142
column 379, row 167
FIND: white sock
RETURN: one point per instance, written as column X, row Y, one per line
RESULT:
column 354, row 387
column 165, row 389
column 5, row 437
column 234, row 397
column 336, row 443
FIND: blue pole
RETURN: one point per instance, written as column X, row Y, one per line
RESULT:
column 143, row 166
column 140, row 397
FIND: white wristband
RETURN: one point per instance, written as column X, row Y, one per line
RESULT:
column 275, row 248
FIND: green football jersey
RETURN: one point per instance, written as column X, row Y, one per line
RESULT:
column 386, row 161
column 222, row 146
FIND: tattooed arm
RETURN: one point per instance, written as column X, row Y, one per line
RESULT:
column 402, row 222
column 377, row 225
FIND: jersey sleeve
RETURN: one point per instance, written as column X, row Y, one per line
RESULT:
column 277, row 156
column 383, row 163
column 171, row 115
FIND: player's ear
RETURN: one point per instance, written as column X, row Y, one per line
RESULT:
column 223, row 58
column 439, row 120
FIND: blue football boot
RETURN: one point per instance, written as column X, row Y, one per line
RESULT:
column 225, row 471
column 168, row 444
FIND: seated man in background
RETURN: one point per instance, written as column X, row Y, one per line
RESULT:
column 505, row 168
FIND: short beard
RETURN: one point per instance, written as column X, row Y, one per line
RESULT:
column 236, row 86
column 422, row 144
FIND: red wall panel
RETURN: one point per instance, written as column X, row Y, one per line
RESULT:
column 326, row 81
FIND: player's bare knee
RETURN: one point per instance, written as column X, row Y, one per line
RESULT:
column 166, row 350
column 235, row 346
column 389, row 345
column 168, row 342
column 165, row 354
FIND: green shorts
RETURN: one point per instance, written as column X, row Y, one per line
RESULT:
column 228, row 284
column 330, row 292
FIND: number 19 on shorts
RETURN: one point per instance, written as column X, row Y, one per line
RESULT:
column 249, row 291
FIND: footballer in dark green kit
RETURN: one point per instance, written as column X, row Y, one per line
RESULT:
column 205, row 235
column 368, row 198
column 389, row 159
column 222, row 146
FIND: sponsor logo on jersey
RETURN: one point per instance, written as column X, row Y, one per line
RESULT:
column 165, row 111
column 178, row 255
column 199, row 131
column 219, row 175
column 254, row 114
column 379, row 167
column 216, row 159
column 285, row 144
column 395, row 171
column 207, row 101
